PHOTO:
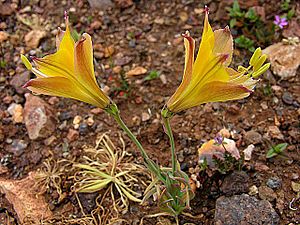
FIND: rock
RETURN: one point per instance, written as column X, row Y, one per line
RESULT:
column 96, row 110
column 145, row 116
column 100, row 4
column 252, row 137
column 224, row 133
column 53, row 100
column 163, row 79
column 72, row 135
column 296, row 187
column 19, row 80
column 96, row 25
column 16, row 111
column 284, row 59
column 274, row 182
column 77, row 119
column 3, row 36
column 253, row 190
column 26, row 202
column 235, row 183
column 266, row 193
column 90, row 121
column 83, row 128
column 248, row 152
column 17, row 147
column 33, row 38
column 49, row 140
column 287, row 98
column 244, row 209
column 274, row 132
column 117, row 69
column 136, row 71
column 38, row 117
column 6, row 9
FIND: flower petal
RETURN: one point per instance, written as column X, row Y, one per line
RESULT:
column 63, row 87
column 224, row 43
column 189, row 44
column 215, row 91
column 84, row 66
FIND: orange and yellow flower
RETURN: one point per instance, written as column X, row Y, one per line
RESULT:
column 69, row 72
column 208, row 78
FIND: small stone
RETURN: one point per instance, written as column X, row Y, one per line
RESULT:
column 183, row 16
column 244, row 209
column 266, row 193
column 284, row 59
column 274, row 132
column 224, row 133
column 101, row 4
column 53, row 100
column 150, row 38
column 163, row 78
column 65, row 116
column 295, row 176
column 136, row 120
column 252, row 137
column 235, row 183
column 17, row 147
column 159, row 21
column 49, row 140
column 90, row 121
column 96, row 110
column 248, row 152
column 96, row 25
column 6, row 9
column 19, row 80
column 117, row 69
column 3, row 36
column 145, row 116
column 296, row 187
column 264, row 105
column 39, row 117
column 253, row 190
column 18, row 114
column 136, row 71
column 33, row 38
column 287, row 98
column 274, row 182
column 72, row 135
column 77, row 119
column 83, row 128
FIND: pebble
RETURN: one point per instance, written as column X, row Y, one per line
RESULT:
column 72, row 135
column 49, row 140
column 274, row 132
column 39, row 117
column 253, row 190
column 287, row 98
column 244, row 209
column 77, row 119
column 274, row 182
column 163, row 78
column 90, row 121
column 266, row 193
column 19, row 80
column 252, row 137
column 96, row 111
column 65, row 116
column 235, row 183
column 248, row 152
column 17, row 147
column 145, row 116
column 83, row 128
column 296, row 187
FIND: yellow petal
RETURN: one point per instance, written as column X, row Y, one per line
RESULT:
column 84, row 66
column 63, row 87
column 189, row 44
column 26, row 62
column 215, row 91
column 224, row 43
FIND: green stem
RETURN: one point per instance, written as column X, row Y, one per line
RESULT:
column 166, row 115
column 113, row 110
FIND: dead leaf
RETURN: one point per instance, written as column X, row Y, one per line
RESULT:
column 26, row 202
column 136, row 71
column 33, row 38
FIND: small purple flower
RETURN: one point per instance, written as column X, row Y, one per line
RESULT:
column 218, row 139
column 280, row 22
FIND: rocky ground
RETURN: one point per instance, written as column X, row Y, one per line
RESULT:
column 139, row 58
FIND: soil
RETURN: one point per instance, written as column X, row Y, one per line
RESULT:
column 147, row 34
